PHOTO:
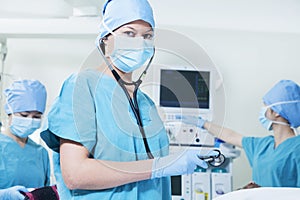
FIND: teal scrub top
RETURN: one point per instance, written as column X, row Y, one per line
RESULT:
column 279, row 167
column 92, row 109
column 27, row 166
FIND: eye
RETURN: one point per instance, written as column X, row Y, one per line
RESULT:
column 129, row 33
column 148, row 36
column 24, row 114
column 37, row 116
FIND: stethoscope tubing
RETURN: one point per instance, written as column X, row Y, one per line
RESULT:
column 133, row 103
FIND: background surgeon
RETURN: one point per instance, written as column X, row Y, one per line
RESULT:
column 109, row 140
column 275, row 159
column 23, row 163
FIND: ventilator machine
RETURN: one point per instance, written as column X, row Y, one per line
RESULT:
column 186, row 91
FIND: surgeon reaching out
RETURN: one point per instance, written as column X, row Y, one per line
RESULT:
column 275, row 159
column 23, row 163
column 108, row 139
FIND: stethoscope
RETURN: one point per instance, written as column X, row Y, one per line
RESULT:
column 214, row 160
column 132, row 101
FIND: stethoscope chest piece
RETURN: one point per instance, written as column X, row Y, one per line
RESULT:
column 217, row 161
column 214, row 160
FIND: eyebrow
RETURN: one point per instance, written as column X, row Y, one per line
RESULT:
column 28, row 112
column 25, row 112
column 128, row 26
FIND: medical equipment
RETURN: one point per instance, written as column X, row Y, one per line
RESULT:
column 220, row 182
column 214, row 160
column 186, row 92
column 184, row 89
column 200, row 183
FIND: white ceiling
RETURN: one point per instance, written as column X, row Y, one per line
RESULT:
column 43, row 8
column 256, row 15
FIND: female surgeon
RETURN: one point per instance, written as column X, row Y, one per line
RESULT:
column 275, row 159
column 109, row 140
column 23, row 163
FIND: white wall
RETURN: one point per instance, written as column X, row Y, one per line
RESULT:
column 48, row 60
column 254, row 44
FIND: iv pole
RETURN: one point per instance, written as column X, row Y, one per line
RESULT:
column 3, row 53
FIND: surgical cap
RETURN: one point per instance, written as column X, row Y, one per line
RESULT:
column 119, row 12
column 285, row 97
column 25, row 95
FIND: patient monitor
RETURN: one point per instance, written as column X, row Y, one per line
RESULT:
column 185, row 91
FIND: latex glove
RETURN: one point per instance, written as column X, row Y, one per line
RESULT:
column 13, row 193
column 178, row 164
column 197, row 121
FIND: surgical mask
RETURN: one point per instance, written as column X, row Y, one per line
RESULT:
column 130, row 53
column 265, row 122
column 23, row 126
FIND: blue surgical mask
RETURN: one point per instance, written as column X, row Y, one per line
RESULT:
column 131, row 53
column 265, row 122
column 24, row 126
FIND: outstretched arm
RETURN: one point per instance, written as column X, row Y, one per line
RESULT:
column 224, row 133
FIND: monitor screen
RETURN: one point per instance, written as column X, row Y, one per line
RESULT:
column 184, row 89
column 176, row 185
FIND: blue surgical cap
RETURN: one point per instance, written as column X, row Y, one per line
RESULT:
column 119, row 12
column 25, row 95
column 284, row 99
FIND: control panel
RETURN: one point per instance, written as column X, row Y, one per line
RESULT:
column 183, row 134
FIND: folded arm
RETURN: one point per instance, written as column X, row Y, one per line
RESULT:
column 81, row 172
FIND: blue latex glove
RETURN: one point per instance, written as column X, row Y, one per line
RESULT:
column 13, row 193
column 178, row 164
column 197, row 121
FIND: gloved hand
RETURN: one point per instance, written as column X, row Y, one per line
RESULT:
column 13, row 193
column 197, row 121
column 178, row 164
